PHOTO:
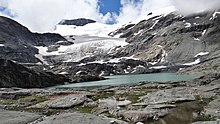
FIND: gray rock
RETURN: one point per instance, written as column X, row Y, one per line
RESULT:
column 213, row 108
column 123, row 103
column 142, row 116
column 160, row 106
column 67, row 101
column 105, row 105
column 79, row 118
column 179, row 94
column 16, row 117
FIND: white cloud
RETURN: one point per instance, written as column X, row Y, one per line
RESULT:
column 3, row 3
column 191, row 6
column 42, row 15
column 132, row 10
column 149, row 5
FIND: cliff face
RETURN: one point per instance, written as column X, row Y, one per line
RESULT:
column 174, row 39
column 15, row 75
column 17, row 42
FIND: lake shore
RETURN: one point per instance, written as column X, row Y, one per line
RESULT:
column 182, row 102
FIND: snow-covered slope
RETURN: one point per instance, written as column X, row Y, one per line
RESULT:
column 102, row 30
column 80, row 50
column 161, row 11
column 93, row 38
column 92, row 29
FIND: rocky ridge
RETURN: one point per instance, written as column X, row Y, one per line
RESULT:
column 18, row 43
column 16, row 75
column 174, row 39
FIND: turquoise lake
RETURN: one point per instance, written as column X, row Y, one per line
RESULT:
column 129, row 79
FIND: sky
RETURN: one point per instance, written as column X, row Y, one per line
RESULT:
column 112, row 6
column 43, row 15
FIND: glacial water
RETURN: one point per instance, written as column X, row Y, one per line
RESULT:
column 129, row 79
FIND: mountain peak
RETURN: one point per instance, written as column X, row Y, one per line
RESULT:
column 76, row 22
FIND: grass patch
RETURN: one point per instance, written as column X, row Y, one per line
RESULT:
column 102, row 95
column 34, row 98
column 133, row 95
column 84, row 109
column 7, row 102
column 51, row 112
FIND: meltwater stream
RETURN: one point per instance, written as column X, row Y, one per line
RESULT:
column 128, row 79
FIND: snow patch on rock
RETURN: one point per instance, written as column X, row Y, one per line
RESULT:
column 202, row 54
column 197, row 61
column 158, row 67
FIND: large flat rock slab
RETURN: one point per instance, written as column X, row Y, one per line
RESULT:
column 16, row 117
column 80, row 118
column 68, row 101
column 179, row 94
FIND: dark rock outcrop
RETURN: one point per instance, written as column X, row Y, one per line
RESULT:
column 77, row 22
column 15, row 75
column 18, row 42
column 94, row 70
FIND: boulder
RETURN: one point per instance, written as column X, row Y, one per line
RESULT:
column 123, row 103
column 174, row 95
column 142, row 116
column 67, row 101
column 213, row 108
column 105, row 105
column 16, row 117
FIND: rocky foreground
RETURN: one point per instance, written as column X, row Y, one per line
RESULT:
column 185, row 102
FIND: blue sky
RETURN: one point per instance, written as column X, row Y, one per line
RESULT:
column 6, row 11
column 109, row 6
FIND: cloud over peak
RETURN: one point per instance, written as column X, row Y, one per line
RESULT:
column 43, row 15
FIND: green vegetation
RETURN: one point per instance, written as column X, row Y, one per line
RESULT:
column 133, row 95
column 33, row 98
column 84, row 109
column 51, row 112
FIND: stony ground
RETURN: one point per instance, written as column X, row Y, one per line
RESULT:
column 185, row 102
